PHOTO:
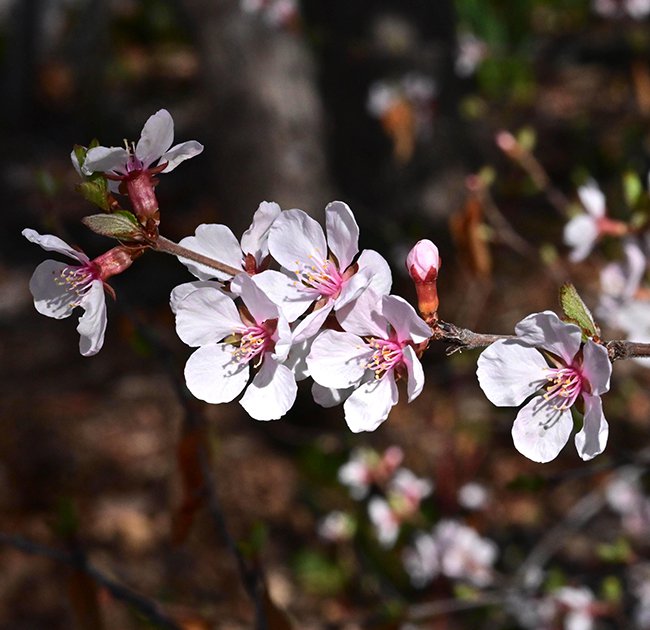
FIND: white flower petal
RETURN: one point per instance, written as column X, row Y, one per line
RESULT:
column 402, row 316
column 338, row 359
column 156, row 137
column 296, row 360
column 180, row 153
column 255, row 239
column 217, row 242
column 213, row 375
column 260, row 306
column 593, row 199
column 580, row 233
column 342, row 233
column 105, row 159
column 294, row 238
column 284, row 291
column 52, row 298
column 53, row 243
column 369, row 405
column 352, row 289
column 596, row 367
column 509, row 372
column 592, row 438
column 272, row 392
column 374, row 263
column 540, row 431
column 415, row 373
column 92, row 324
column 329, row 396
column 363, row 316
column 311, row 324
column 180, row 292
column 206, row 316
column 546, row 330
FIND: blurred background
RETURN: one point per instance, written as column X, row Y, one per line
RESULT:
column 394, row 107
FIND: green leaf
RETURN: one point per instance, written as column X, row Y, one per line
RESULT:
column 576, row 311
column 95, row 190
column 121, row 225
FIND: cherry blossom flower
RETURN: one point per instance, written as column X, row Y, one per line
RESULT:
column 318, row 270
column 337, row 526
column 362, row 363
column 624, row 494
column 59, row 288
column 229, row 341
column 404, row 495
column 422, row 560
column 219, row 243
column 471, row 52
column 366, row 468
column 473, row 496
column 547, row 358
column 464, row 555
column 454, row 550
column 583, row 230
column 576, row 606
column 153, row 146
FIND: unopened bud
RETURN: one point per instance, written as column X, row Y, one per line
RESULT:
column 423, row 263
column 506, row 142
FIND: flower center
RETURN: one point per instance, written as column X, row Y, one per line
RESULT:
column 386, row 356
column 254, row 341
column 321, row 275
column 77, row 280
column 564, row 386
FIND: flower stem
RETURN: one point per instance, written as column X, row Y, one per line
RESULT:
column 163, row 244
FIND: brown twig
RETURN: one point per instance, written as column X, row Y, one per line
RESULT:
column 163, row 244
column 145, row 606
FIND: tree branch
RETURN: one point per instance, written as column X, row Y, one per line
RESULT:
column 163, row 244
column 146, row 607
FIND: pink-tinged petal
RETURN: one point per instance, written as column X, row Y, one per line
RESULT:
column 156, row 137
column 382, row 517
column 540, row 431
column 592, row 199
column 51, row 297
column 369, row 405
column 580, row 233
column 255, row 239
column 342, row 233
column 596, row 367
column 52, row 243
column 285, row 292
column 311, row 324
column 509, row 372
column 402, row 316
column 75, row 163
column 376, row 266
column 415, row 373
column 213, row 375
column 283, row 338
column 338, row 359
column 272, row 392
column 180, row 292
column 260, row 306
column 363, row 317
column 180, row 153
column 546, row 330
column 104, row 159
column 92, row 324
column 592, row 438
column 206, row 316
column 636, row 266
column 295, row 238
column 217, row 242
column 329, row 396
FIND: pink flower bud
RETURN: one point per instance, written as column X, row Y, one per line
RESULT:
column 423, row 261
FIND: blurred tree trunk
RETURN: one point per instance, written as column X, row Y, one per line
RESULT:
column 266, row 118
